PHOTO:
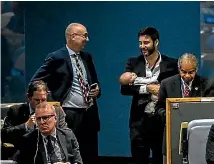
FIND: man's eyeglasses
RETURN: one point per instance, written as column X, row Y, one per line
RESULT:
column 44, row 118
column 85, row 36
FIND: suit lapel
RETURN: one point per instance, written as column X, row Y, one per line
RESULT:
column 42, row 149
column 164, row 63
column 140, row 68
column 176, row 88
column 67, row 59
column 62, row 142
column 196, row 88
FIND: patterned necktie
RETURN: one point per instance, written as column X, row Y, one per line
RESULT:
column 84, row 87
column 186, row 91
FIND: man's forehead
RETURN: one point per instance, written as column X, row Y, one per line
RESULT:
column 39, row 93
column 44, row 111
column 78, row 28
column 187, row 66
column 145, row 37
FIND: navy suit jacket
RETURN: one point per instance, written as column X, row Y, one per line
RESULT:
column 57, row 72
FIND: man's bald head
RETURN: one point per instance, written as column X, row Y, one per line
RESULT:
column 76, row 37
column 73, row 28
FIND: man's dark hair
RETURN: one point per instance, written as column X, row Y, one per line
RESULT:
column 150, row 31
column 36, row 86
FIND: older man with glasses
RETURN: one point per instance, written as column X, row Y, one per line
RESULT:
column 49, row 144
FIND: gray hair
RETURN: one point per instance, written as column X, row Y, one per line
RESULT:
column 188, row 58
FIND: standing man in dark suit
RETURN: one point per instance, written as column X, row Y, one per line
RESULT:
column 48, row 144
column 20, row 119
column 184, row 84
column 210, row 146
column 69, row 72
column 146, row 131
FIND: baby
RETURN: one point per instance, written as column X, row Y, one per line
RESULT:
column 130, row 78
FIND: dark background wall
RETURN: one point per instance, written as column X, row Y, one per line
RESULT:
column 113, row 28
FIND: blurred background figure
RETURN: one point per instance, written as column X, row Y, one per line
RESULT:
column 13, row 52
column 207, row 38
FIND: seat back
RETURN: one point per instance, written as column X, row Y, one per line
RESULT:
column 199, row 122
column 197, row 134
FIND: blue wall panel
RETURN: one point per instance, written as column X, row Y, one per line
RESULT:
column 113, row 28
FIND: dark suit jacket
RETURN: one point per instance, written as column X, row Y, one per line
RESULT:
column 57, row 72
column 171, row 88
column 168, row 67
column 14, row 124
column 30, row 142
column 210, row 146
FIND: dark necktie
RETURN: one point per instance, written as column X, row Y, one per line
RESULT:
column 84, row 87
column 186, row 91
column 50, row 147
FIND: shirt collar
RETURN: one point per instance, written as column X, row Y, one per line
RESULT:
column 70, row 51
column 185, row 84
column 52, row 134
column 158, row 62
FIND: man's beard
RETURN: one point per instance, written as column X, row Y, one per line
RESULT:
column 150, row 51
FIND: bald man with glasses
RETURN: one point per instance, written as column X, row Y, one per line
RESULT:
column 72, row 79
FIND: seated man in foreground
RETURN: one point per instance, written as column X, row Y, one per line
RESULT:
column 49, row 144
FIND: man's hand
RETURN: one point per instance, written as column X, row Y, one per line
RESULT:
column 31, row 121
column 153, row 88
column 94, row 92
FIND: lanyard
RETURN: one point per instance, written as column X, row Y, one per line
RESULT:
column 155, row 63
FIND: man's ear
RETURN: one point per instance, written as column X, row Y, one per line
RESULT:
column 156, row 42
column 27, row 97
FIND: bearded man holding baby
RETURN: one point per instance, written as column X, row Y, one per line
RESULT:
column 149, row 69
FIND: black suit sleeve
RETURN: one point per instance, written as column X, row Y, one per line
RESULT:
column 46, row 70
column 129, row 89
column 210, row 146
column 11, row 131
column 160, row 108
